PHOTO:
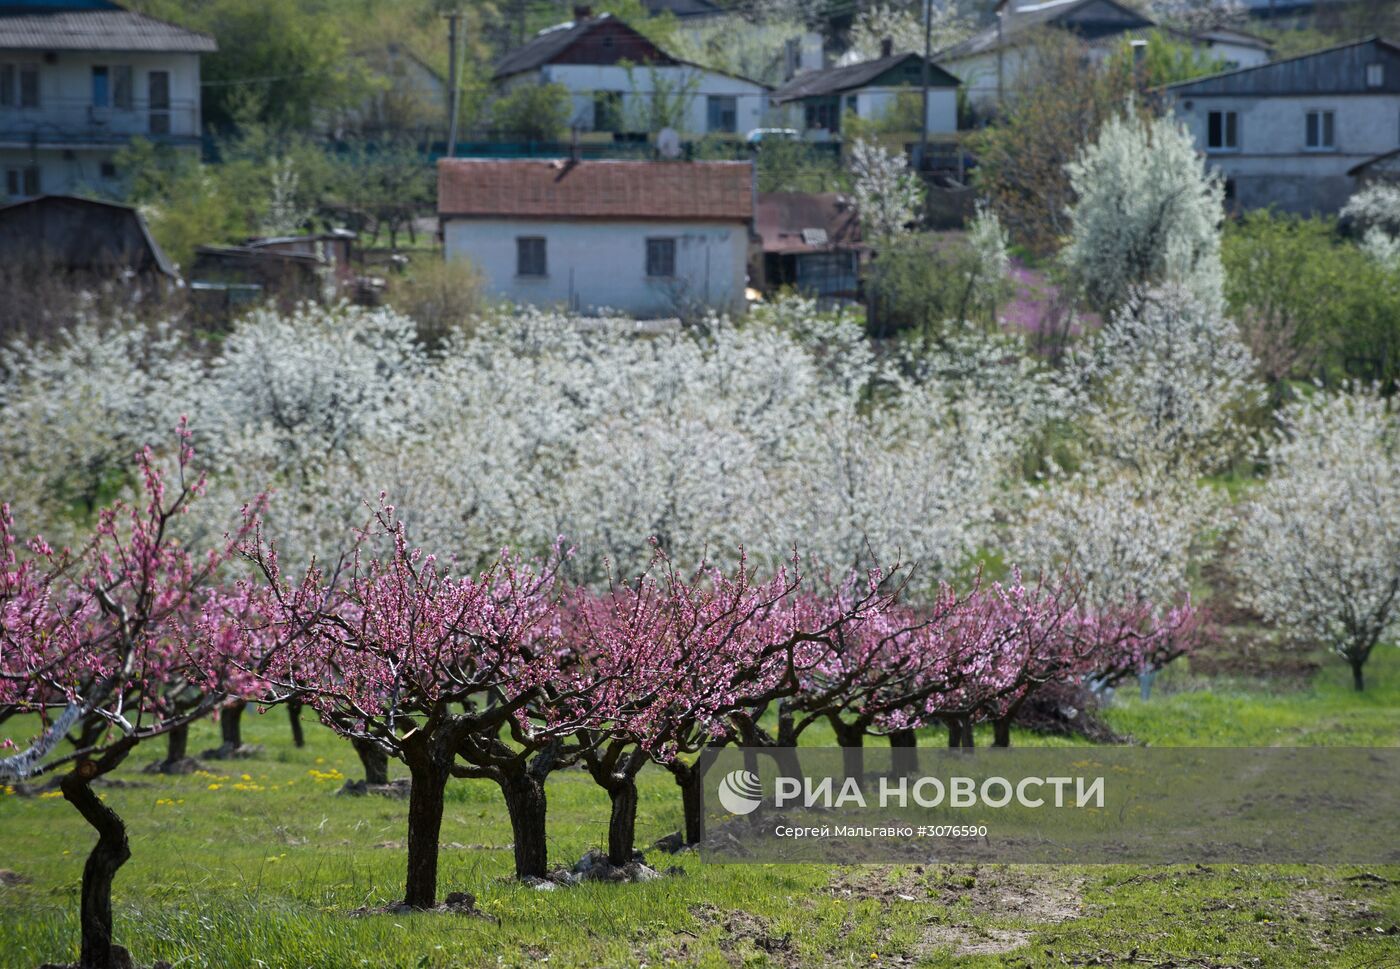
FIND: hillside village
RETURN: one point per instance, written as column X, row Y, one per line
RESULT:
column 704, row 151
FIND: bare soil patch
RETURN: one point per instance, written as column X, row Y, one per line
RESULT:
column 974, row 896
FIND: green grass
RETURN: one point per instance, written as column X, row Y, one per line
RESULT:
column 267, row 875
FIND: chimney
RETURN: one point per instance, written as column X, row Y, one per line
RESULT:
column 582, row 13
column 887, row 47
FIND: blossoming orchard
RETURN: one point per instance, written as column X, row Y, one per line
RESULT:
column 464, row 621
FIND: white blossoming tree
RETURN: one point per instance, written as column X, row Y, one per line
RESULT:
column 1127, row 536
column 1147, row 213
column 1319, row 545
column 1165, row 384
column 784, row 430
column 903, row 26
column 888, row 195
column 1375, row 213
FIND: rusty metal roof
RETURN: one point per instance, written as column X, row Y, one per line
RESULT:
column 786, row 220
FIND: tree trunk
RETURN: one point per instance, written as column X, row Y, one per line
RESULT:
column 904, row 752
column 960, row 731
column 1358, row 679
column 692, row 802
column 525, row 801
column 231, row 725
column 622, row 822
column 97, row 950
column 177, row 744
column 375, row 761
column 1001, row 731
column 294, row 714
column 850, row 738
column 424, row 829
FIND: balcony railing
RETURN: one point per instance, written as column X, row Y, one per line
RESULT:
column 65, row 121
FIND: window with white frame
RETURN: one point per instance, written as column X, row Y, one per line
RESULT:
column 1375, row 75
column 1222, row 130
column 1320, row 132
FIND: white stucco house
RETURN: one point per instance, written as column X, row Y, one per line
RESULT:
column 616, row 76
column 1293, row 133
column 651, row 239
column 991, row 61
column 78, row 80
column 816, row 101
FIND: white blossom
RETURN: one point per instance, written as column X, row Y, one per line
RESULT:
column 1166, row 382
column 1319, row 545
column 1147, row 212
column 888, row 195
column 1127, row 536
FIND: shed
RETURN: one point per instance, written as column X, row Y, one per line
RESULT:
column 90, row 237
column 810, row 242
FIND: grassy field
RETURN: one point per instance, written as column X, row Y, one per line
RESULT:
column 260, row 864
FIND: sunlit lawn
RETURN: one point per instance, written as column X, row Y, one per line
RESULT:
column 265, row 869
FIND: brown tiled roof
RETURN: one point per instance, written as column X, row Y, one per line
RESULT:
column 489, row 188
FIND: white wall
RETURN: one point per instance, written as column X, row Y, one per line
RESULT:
column 979, row 75
column 599, row 264
column 65, row 96
column 61, row 172
column 874, row 102
column 1237, row 55
column 1273, row 164
column 637, row 86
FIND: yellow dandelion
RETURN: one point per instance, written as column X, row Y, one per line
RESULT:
column 215, row 787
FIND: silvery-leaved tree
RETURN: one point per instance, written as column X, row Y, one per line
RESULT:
column 1146, row 213
column 889, row 197
column 1319, row 544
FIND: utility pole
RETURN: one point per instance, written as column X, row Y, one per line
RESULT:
column 454, row 82
column 928, row 52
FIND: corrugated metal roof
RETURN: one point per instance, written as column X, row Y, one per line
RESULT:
column 835, row 80
column 123, row 30
column 1333, row 70
column 561, row 189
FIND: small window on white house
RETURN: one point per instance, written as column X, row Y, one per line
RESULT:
column 1321, row 133
column 661, row 258
column 20, row 182
column 530, row 256
column 1375, row 75
column 1222, row 130
column 722, row 113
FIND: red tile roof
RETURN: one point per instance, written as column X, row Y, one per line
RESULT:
column 561, row 189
